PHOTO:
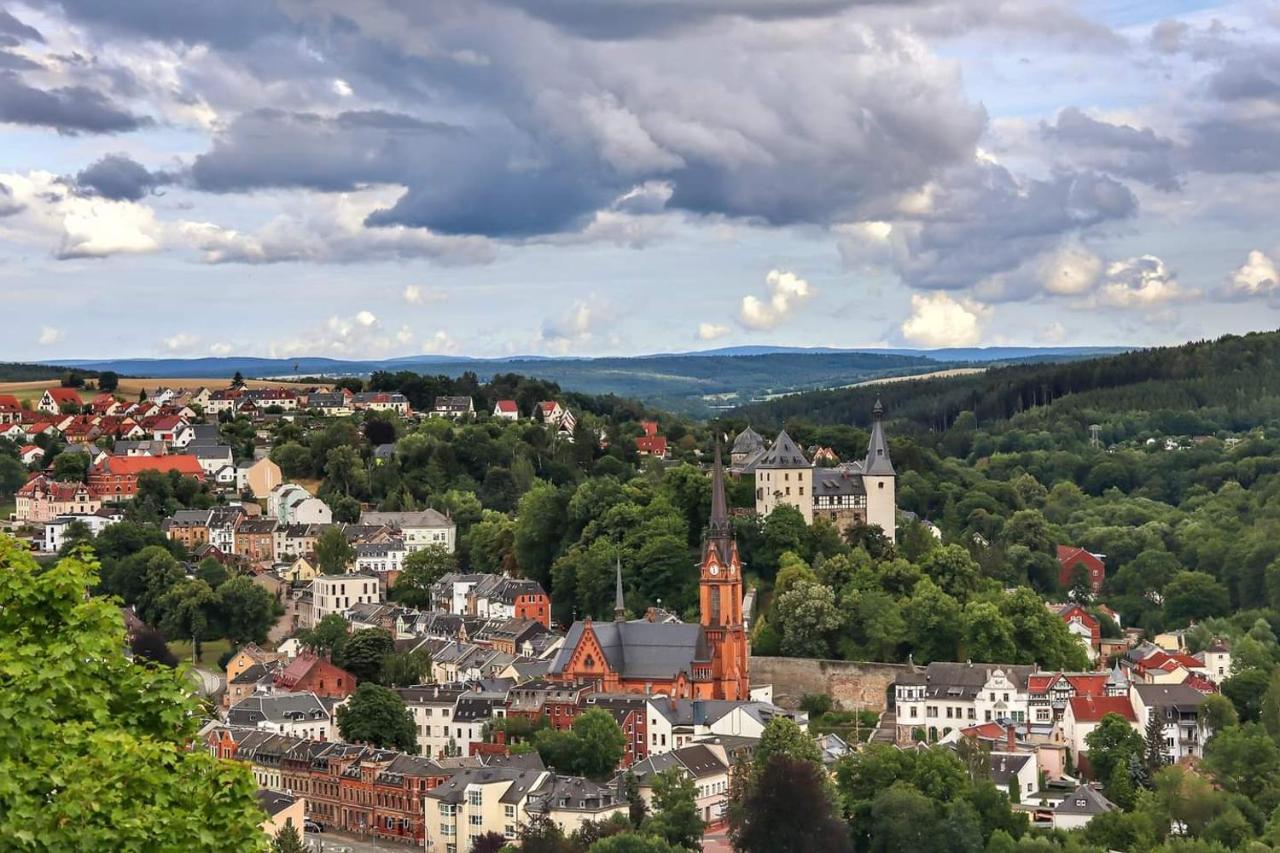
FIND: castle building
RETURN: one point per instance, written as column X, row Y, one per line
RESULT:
column 708, row 660
column 847, row 494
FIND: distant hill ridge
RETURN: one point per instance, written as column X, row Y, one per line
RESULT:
column 693, row 383
column 1240, row 373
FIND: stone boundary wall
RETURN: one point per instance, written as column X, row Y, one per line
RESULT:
column 852, row 684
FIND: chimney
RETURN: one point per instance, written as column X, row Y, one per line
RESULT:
column 1011, row 738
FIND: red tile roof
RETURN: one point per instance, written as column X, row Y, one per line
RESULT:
column 1089, row 685
column 125, row 465
column 508, row 406
column 8, row 401
column 64, row 395
column 1091, row 709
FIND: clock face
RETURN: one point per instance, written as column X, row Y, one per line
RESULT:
column 715, row 570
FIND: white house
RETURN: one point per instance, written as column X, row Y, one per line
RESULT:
column 1083, row 714
column 290, row 503
column 1178, row 705
column 506, row 410
column 433, row 707
column 947, row 696
column 1081, row 806
column 56, row 529
column 295, row 714
column 419, row 529
column 335, row 593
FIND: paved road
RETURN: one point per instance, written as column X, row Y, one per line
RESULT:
column 331, row 842
column 717, row 842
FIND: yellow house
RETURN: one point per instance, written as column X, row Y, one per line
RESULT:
column 261, row 477
column 301, row 571
column 282, row 810
column 247, row 657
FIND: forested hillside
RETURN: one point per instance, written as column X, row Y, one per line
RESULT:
column 1232, row 382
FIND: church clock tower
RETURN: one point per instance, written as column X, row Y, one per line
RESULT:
column 720, row 598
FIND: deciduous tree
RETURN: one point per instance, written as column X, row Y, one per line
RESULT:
column 378, row 716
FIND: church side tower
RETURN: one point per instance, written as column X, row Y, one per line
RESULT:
column 880, row 480
column 720, row 598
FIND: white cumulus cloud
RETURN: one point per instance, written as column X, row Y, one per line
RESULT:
column 784, row 291
column 711, row 331
column 1143, row 282
column 48, row 336
column 440, row 342
column 1257, row 276
column 938, row 320
column 220, row 348
column 181, row 342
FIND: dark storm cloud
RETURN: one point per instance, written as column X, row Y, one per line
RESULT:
column 13, row 62
column 16, row 30
column 607, row 19
column 120, row 178
column 1253, row 75
column 1117, row 149
column 275, row 148
column 1244, row 144
column 983, row 222
column 69, row 110
column 230, row 24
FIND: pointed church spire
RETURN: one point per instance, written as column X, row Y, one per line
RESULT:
column 619, row 606
column 878, row 462
column 719, row 528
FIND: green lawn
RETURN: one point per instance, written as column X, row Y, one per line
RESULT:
column 212, row 650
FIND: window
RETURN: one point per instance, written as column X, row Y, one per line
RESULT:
column 475, row 819
column 474, row 798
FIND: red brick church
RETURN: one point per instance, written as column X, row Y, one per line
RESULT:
column 703, row 661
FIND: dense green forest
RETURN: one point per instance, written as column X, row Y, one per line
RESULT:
column 19, row 372
column 1229, row 383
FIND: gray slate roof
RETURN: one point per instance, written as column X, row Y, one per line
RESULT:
column 277, row 708
column 1085, row 800
column 640, row 649
column 401, row 520
column 784, row 453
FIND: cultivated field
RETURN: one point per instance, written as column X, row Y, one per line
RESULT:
column 129, row 387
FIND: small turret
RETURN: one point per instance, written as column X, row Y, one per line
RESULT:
column 619, row 605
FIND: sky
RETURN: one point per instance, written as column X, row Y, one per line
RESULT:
column 380, row 178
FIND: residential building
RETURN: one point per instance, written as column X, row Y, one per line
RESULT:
column 1178, row 705
column 433, row 707
column 116, row 477
column 707, row 765
column 53, row 400
column 1081, row 806
column 380, row 558
column 418, row 529
column 296, row 714
column 259, row 478
column 1083, row 714
column 506, row 410
column 309, row 673
column 335, row 593
column 42, row 499
column 453, row 407
column 946, row 696
column 255, row 539
column 503, row 799
column 381, row 401
column 290, row 503
column 55, row 530
column 1070, row 556
column 282, row 810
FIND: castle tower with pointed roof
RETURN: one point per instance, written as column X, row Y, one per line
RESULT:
column 879, row 479
column 784, row 476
